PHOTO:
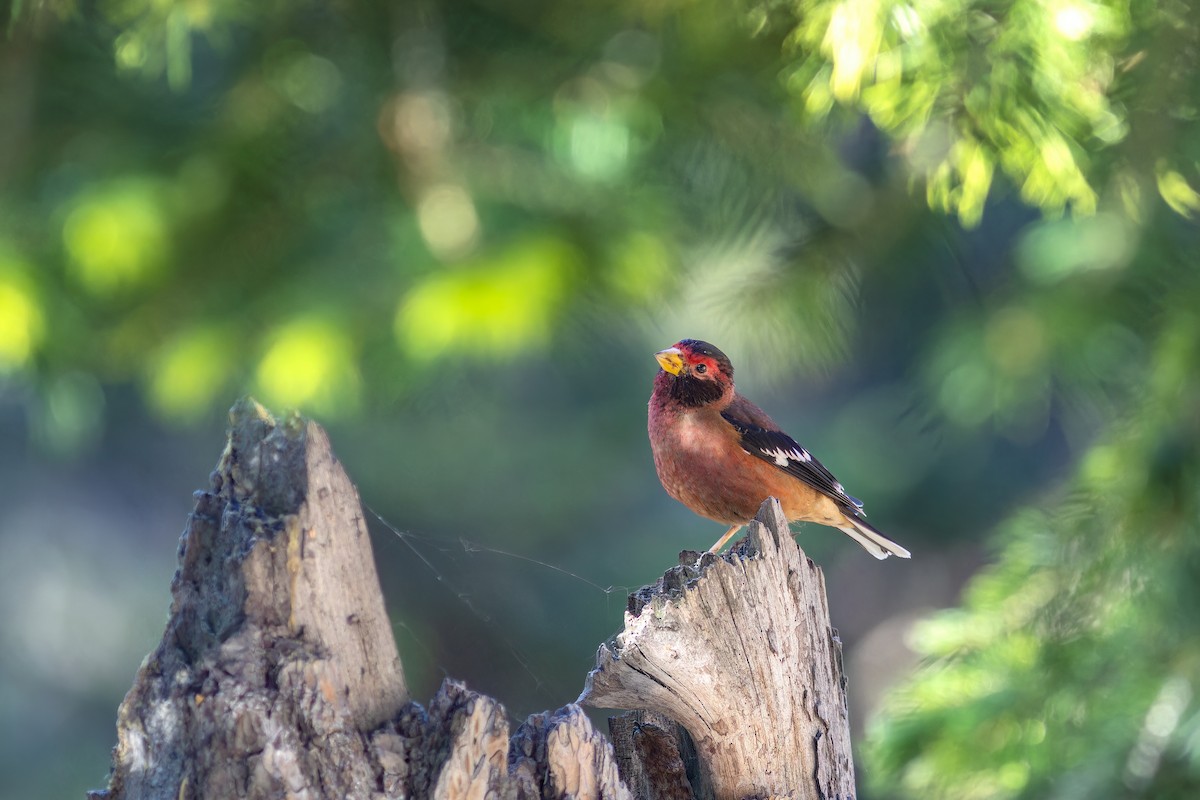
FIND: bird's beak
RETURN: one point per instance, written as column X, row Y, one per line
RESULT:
column 670, row 360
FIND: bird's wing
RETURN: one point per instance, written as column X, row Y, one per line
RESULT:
column 784, row 452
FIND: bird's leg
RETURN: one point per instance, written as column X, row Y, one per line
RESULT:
column 716, row 548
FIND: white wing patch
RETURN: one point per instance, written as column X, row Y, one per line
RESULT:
column 784, row 457
column 782, row 451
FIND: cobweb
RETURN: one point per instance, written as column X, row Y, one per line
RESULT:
column 482, row 620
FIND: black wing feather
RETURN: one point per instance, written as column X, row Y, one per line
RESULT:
column 785, row 453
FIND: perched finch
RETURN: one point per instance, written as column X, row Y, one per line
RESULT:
column 722, row 456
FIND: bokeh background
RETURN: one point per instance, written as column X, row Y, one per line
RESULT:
column 949, row 244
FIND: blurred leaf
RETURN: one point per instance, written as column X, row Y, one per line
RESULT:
column 309, row 363
column 193, row 370
column 1177, row 192
column 22, row 319
column 1059, row 249
column 156, row 36
column 117, row 236
column 498, row 305
column 179, row 49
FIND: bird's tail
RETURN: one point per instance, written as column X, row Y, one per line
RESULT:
column 871, row 539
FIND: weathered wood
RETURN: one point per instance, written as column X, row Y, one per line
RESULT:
column 654, row 753
column 739, row 650
column 461, row 748
column 278, row 652
column 277, row 675
column 566, row 756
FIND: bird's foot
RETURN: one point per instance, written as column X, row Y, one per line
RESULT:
column 716, row 548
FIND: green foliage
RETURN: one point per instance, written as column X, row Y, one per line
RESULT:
column 268, row 165
column 1071, row 669
column 22, row 320
column 115, row 236
column 502, row 305
column 414, row 197
column 1041, row 91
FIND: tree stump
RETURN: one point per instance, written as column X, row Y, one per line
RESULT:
column 738, row 649
column 278, row 677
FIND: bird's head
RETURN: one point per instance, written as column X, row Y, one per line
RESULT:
column 695, row 373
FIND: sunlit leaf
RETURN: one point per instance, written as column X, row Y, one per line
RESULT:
column 852, row 43
column 1030, row 113
column 309, row 364
column 117, row 236
column 1177, row 192
column 495, row 306
column 975, row 167
column 22, row 319
column 191, row 371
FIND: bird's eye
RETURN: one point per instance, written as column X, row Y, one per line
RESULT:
column 701, row 368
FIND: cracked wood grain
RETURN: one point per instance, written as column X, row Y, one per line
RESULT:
column 738, row 650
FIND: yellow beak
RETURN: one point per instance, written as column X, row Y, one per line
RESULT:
column 671, row 360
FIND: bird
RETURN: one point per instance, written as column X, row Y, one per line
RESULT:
column 721, row 455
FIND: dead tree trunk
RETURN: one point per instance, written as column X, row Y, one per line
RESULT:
column 277, row 675
column 739, row 651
